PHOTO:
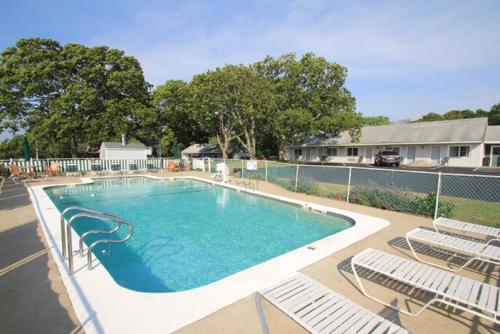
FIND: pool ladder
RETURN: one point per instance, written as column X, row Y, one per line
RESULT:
column 66, row 232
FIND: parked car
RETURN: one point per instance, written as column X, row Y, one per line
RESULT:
column 387, row 158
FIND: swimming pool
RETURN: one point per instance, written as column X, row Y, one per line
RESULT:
column 189, row 233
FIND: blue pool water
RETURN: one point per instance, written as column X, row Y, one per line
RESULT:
column 190, row 233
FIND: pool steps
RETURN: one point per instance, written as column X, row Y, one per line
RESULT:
column 67, row 238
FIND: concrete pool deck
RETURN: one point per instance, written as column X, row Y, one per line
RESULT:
column 33, row 298
column 333, row 271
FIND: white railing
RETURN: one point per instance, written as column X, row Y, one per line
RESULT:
column 84, row 165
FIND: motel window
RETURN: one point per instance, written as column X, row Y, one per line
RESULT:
column 331, row 151
column 459, row 151
column 392, row 148
column 352, row 151
column 297, row 153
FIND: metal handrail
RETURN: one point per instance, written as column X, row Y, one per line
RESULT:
column 95, row 243
column 69, row 231
column 81, row 208
column 96, row 232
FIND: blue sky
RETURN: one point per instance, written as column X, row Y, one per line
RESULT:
column 405, row 58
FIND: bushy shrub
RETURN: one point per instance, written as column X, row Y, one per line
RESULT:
column 282, row 182
column 308, row 185
column 400, row 200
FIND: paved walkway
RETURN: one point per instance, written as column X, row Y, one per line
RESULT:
column 32, row 296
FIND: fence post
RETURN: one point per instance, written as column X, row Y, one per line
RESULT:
column 349, row 184
column 438, row 192
column 296, row 177
column 209, row 165
column 265, row 163
column 242, row 168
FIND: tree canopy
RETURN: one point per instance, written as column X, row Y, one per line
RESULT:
column 70, row 98
column 67, row 99
column 376, row 120
column 493, row 115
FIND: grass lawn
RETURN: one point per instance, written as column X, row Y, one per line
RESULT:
column 475, row 211
column 469, row 210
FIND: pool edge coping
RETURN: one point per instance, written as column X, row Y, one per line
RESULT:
column 95, row 315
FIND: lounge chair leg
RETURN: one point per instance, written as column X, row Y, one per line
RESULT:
column 443, row 300
column 362, row 288
column 260, row 313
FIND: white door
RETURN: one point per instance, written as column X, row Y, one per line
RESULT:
column 308, row 154
column 435, row 154
column 369, row 154
column 410, row 155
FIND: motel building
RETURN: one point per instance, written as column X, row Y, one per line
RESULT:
column 457, row 143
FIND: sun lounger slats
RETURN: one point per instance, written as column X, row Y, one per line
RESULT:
column 321, row 310
column 451, row 245
column 484, row 231
column 447, row 286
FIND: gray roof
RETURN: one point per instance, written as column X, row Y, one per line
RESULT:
column 492, row 134
column 131, row 146
column 452, row 131
column 202, row 149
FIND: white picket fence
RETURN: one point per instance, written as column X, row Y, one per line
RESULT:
column 91, row 165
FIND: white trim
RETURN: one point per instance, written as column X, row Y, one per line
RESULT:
column 101, row 305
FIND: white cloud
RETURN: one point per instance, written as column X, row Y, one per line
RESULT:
column 370, row 40
column 390, row 41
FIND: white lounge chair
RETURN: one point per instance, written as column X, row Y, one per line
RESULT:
column 320, row 310
column 473, row 251
column 490, row 234
column 478, row 298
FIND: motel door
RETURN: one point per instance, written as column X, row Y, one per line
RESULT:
column 495, row 156
column 435, row 154
column 369, row 154
column 410, row 155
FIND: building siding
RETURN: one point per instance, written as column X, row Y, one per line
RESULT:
column 423, row 153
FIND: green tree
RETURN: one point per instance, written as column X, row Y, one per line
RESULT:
column 173, row 113
column 314, row 85
column 12, row 148
column 459, row 114
column 376, row 120
column 292, row 125
column 494, row 115
column 430, row 117
column 70, row 98
column 232, row 102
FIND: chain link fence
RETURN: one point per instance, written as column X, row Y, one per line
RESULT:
column 470, row 198
column 474, row 199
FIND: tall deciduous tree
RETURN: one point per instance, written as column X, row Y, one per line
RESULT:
column 233, row 101
column 314, row 85
column 175, row 116
column 292, row 125
column 70, row 98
